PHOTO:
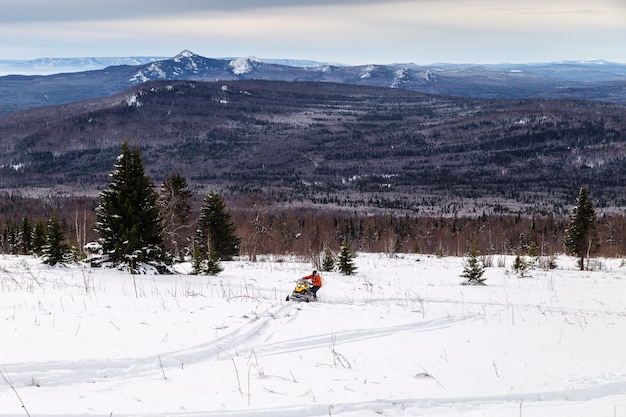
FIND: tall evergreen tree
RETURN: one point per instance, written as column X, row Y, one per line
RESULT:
column 57, row 250
column 581, row 237
column 174, row 201
column 216, row 222
column 215, row 238
column 128, row 216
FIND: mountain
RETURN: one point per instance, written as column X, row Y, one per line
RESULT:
column 322, row 142
column 595, row 80
column 48, row 66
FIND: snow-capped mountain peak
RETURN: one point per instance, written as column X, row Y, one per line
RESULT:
column 186, row 54
column 244, row 65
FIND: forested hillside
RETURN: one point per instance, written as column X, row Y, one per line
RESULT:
column 332, row 144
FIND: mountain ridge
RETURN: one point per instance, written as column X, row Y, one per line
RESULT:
column 606, row 82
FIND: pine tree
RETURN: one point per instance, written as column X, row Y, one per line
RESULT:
column 128, row 217
column 56, row 250
column 174, row 202
column 346, row 260
column 474, row 269
column 39, row 237
column 328, row 262
column 215, row 225
column 581, row 238
column 12, row 238
column 520, row 265
column 26, row 237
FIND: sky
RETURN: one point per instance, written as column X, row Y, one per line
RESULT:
column 342, row 31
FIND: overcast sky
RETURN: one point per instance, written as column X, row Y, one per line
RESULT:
column 346, row 31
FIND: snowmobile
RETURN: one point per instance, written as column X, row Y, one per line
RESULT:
column 302, row 292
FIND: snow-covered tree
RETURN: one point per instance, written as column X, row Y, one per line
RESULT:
column 581, row 238
column 128, row 217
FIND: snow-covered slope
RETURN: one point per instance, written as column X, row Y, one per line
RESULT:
column 400, row 338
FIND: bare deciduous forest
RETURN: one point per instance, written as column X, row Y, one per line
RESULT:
column 307, row 231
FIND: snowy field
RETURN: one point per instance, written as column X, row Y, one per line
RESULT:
column 400, row 338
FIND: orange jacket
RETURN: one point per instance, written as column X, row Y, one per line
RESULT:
column 315, row 279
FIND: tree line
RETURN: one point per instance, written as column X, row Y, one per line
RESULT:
column 133, row 226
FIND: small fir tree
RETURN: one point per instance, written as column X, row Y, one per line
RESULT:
column 346, row 260
column 520, row 265
column 581, row 238
column 56, row 251
column 328, row 262
column 474, row 268
column 204, row 260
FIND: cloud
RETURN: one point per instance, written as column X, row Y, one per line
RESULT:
column 350, row 31
column 23, row 11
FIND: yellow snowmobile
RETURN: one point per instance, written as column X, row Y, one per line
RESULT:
column 302, row 292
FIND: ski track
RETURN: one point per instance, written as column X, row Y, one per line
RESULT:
column 93, row 369
column 408, row 406
column 248, row 337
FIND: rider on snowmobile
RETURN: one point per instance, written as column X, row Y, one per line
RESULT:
column 316, row 279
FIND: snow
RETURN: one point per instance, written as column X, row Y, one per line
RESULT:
column 244, row 65
column 402, row 337
column 184, row 55
column 367, row 72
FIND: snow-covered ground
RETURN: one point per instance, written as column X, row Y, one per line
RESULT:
column 400, row 338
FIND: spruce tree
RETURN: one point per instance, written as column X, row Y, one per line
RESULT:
column 56, row 251
column 128, row 217
column 521, row 265
column 328, row 262
column 174, row 201
column 474, row 268
column 39, row 237
column 26, row 237
column 13, row 240
column 581, row 238
column 215, row 225
column 346, row 260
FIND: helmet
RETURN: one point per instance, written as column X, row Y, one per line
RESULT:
column 314, row 273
